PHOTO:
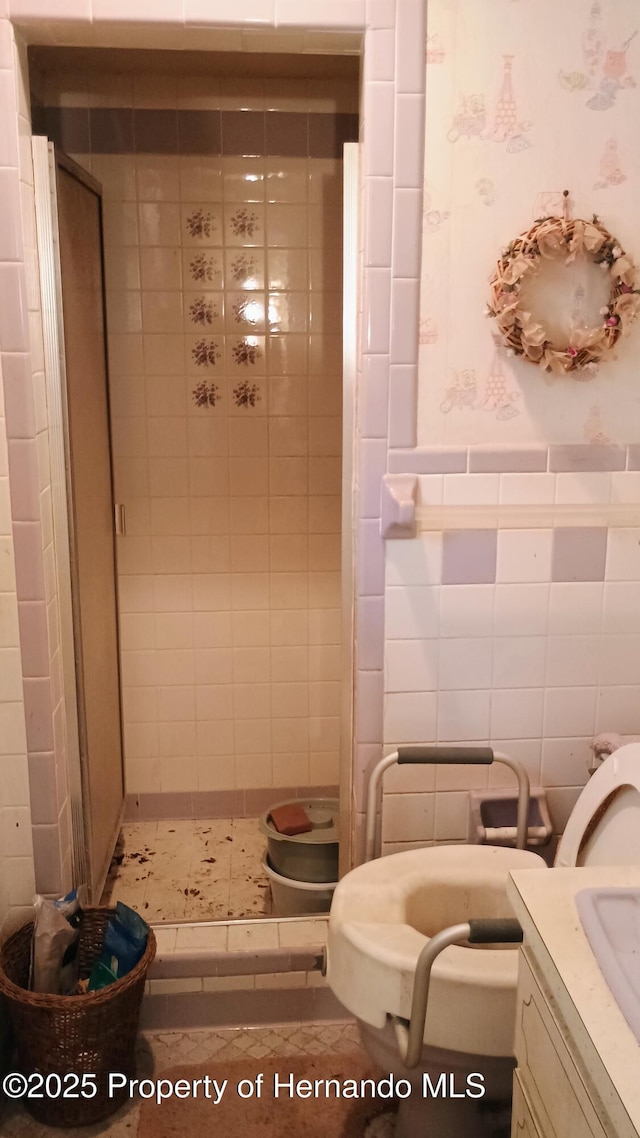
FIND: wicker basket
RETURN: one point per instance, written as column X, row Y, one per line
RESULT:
column 90, row 1034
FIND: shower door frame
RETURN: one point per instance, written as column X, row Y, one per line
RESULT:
column 350, row 273
column 391, row 38
column 47, row 158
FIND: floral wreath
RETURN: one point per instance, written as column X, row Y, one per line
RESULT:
column 551, row 238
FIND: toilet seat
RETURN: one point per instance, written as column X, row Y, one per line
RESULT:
column 604, row 825
column 377, row 928
column 384, row 912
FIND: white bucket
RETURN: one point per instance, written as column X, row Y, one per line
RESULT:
column 298, row 898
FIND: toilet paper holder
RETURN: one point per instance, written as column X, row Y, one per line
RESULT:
column 493, row 817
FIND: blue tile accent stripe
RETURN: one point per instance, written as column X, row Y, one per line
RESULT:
column 574, row 457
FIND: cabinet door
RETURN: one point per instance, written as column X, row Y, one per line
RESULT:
column 522, row 1121
column 559, row 1094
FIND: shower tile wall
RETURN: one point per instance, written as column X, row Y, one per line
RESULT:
column 223, row 294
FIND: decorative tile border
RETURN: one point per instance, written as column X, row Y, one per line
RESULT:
column 428, row 460
column 572, row 457
column 126, row 130
column 147, row 806
column 514, row 460
column 587, row 457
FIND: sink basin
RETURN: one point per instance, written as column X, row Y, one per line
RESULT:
column 611, row 920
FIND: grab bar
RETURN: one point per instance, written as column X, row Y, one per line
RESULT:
column 536, row 515
column 474, row 756
column 482, row 931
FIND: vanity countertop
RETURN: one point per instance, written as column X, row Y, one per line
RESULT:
column 544, row 904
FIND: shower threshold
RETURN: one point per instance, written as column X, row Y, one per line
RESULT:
column 193, row 870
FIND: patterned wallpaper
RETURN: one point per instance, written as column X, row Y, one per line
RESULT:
column 524, row 99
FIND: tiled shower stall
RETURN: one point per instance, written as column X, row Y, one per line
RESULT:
column 391, row 47
column 222, row 216
column 223, row 266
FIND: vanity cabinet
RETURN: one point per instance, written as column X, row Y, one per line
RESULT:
column 578, row 1061
column 522, row 1121
column 553, row 1094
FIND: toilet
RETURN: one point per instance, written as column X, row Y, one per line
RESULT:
column 383, row 914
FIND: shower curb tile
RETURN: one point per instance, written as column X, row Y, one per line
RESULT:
column 281, row 981
column 189, row 938
column 245, row 936
column 302, row 933
column 175, row 964
column 238, row 1008
column 228, row 983
column 177, row 985
column 165, row 941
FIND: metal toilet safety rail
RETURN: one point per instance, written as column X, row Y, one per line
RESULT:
column 409, row 1037
column 444, row 756
column 493, row 930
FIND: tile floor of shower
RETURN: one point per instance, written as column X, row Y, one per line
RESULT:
column 191, row 870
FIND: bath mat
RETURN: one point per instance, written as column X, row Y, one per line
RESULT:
column 267, row 1116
